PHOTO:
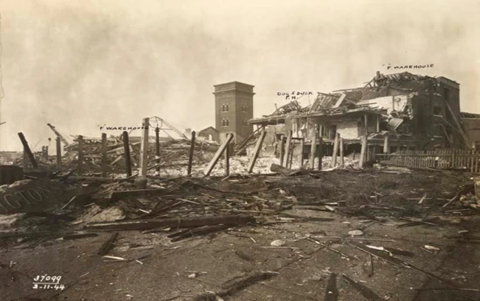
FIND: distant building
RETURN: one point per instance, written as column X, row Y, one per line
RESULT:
column 233, row 109
column 210, row 134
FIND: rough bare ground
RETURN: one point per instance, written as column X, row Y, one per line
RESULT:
column 375, row 203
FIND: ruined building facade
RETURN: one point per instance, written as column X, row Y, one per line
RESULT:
column 413, row 111
column 233, row 110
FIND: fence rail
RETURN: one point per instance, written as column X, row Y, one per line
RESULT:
column 441, row 158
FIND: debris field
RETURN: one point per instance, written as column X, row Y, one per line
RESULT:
column 382, row 233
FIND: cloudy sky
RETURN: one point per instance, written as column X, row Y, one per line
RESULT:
column 80, row 64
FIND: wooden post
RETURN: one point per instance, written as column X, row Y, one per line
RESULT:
column 335, row 149
column 453, row 159
column 378, row 123
column 126, row 153
column 27, row 150
column 157, row 148
column 45, row 153
column 302, row 146
column 190, row 155
column 366, row 124
column 227, row 160
column 363, row 152
column 256, row 152
column 340, row 142
column 104, row 155
column 80, row 156
column 320, row 152
column 25, row 158
column 386, row 147
column 287, row 149
column 144, row 148
column 217, row 156
column 59, row 152
column 313, row 149
column 282, row 149
column 291, row 151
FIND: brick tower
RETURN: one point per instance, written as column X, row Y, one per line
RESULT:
column 233, row 109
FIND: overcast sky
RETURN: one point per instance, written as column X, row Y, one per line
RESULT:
column 80, row 64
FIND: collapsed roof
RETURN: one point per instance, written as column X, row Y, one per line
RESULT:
column 376, row 98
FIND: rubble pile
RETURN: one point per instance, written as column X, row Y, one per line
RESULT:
column 173, row 156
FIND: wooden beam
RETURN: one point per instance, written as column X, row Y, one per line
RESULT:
column 320, row 152
column 340, row 142
column 217, row 156
column 157, row 148
column 282, row 148
column 335, row 150
column 291, row 151
column 27, row 150
column 287, row 149
column 227, row 160
column 256, row 151
column 313, row 149
column 363, row 151
column 366, row 123
column 104, row 155
column 80, row 156
column 386, row 147
column 190, row 155
column 460, row 128
column 144, row 148
column 302, row 146
column 59, row 152
column 126, row 153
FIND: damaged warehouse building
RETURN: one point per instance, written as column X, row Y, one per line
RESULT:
column 394, row 112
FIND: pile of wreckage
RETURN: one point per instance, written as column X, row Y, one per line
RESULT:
column 406, row 107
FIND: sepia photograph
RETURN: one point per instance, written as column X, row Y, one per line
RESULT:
column 210, row 150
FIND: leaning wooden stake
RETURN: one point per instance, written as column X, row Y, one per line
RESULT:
column 258, row 147
column 286, row 156
column 59, row 152
column 104, row 155
column 27, row 150
column 144, row 148
column 80, row 155
column 126, row 153
column 217, row 156
column 313, row 150
column 190, row 155
column 335, row 150
column 340, row 142
column 363, row 151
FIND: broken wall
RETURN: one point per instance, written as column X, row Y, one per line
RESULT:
column 348, row 129
column 389, row 103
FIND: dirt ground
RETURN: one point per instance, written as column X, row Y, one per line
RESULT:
column 424, row 256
